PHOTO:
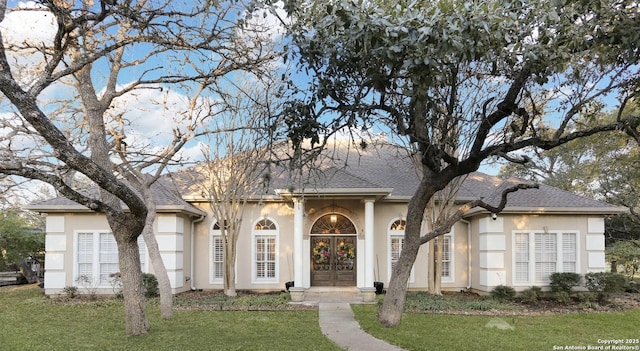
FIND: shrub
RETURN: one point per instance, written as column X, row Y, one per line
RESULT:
column 562, row 297
column 605, row 282
column 503, row 293
column 70, row 291
column 633, row 287
column 532, row 295
column 150, row 283
column 564, row 281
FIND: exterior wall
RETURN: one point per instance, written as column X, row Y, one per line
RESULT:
column 173, row 236
column 460, row 257
column 61, row 231
column 490, row 258
column 493, row 262
column 172, row 233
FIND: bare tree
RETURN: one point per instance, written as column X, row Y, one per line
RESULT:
column 107, row 53
column 237, row 167
column 404, row 68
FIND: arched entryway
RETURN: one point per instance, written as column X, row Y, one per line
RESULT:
column 333, row 251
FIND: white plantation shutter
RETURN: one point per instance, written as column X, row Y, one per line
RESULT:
column 108, row 260
column 446, row 256
column 85, row 255
column 522, row 257
column 265, row 256
column 396, row 248
column 569, row 252
column 546, row 255
column 217, row 259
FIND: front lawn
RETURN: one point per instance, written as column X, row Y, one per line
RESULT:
column 29, row 321
column 420, row 331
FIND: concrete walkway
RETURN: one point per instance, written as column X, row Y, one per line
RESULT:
column 338, row 323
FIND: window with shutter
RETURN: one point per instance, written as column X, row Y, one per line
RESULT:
column 85, row 255
column 265, row 234
column 569, row 254
column 545, row 255
column 521, row 257
column 108, row 257
column 97, row 257
column 396, row 243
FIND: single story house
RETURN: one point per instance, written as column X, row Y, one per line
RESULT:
column 344, row 227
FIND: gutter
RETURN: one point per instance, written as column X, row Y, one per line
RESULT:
column 192, row 248
column 468, row 252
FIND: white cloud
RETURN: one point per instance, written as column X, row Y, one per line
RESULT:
column 269, row 21
column 26, row 29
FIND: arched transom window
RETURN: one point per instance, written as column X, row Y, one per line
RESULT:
column 333, row 224
column 265, row 224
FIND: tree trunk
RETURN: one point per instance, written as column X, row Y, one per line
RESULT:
column 230, row 262
column 437, row 265
column 164, row 284
column 393, row 304
column 132, row 287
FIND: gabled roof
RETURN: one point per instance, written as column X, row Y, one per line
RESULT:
column 165, row 197
column 390, row 168
column 383, row 171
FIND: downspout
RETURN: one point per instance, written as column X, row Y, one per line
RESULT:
column 192, row 249
column 468, row 252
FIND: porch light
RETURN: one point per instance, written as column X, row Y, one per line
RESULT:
column 333, row 219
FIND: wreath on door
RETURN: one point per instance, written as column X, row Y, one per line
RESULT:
column 321, row 253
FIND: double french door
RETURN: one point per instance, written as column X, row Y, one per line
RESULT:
column 333, row 260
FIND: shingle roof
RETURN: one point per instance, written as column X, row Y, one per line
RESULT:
column 384, row 169
column 167, row 199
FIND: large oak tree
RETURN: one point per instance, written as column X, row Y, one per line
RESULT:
column 61, row 116
column 462, row 82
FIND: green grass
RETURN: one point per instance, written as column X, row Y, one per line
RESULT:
column 30, row 321
column 419, row 331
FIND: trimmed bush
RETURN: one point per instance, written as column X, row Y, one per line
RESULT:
column 150, row 283
column 605, row 282
column 532, row 295
column 564, row 281
column 562, row 297
column 503, row 293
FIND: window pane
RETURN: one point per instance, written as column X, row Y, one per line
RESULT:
column 522, row 257
column 265, row 256
column 546, row 253
column 569, row 252
column 217, row 259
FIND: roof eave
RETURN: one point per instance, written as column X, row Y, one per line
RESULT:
column 613, row 210
column 82, row 209
column 378, row 193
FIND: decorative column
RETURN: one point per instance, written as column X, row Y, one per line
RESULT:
column 368, row 291
column 297, row 291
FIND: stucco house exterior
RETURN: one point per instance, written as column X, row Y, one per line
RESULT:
column 344, row 227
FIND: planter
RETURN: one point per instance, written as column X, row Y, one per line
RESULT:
column 288, row 285
column 379, row 287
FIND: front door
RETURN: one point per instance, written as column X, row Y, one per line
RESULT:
column 333, row 260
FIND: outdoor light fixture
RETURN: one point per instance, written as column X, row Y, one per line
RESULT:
column 333, row 219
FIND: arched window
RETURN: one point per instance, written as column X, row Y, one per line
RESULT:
column 265, row 247
column 333, row 223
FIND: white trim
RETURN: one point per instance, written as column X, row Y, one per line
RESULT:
column 559, row 263
column 266, row 233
